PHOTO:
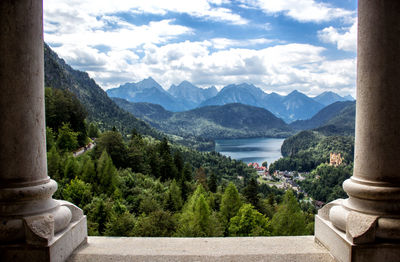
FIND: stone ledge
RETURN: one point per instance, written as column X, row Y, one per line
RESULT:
column 301, row 248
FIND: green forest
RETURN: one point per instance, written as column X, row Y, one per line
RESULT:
column 141, row 185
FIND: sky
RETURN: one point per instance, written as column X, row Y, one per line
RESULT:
column 277, row 45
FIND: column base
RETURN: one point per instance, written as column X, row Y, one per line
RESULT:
column 345, row 251
column 59, row 249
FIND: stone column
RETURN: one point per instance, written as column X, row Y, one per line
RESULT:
column 33, row 226
column 366, row 226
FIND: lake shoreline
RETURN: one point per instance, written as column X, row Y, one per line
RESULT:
column 251, row 150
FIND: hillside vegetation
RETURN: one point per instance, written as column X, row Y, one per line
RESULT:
column 211, row 122
column 100, row 108
column 154, row 188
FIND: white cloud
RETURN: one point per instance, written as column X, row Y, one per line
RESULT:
column 301, row 10
column 344, row 38
column 223, row 43
column 125, row 36
column 207, row 9
column 91, row 36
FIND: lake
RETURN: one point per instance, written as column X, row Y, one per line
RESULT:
column 251, row 149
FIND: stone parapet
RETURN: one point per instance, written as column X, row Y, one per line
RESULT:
column 248, row 249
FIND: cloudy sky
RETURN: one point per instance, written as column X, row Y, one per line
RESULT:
column 277, row 45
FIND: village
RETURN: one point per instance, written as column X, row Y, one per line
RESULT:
column 289, row 179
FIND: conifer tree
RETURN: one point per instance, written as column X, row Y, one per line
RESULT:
column 196, row 219
column 88, row 173
column 186, row 178
column 230, row 203
column 178, row 161
column 212, row 183
column 251, row 193
column 106, row 174
column 173, row 199
column 249, row 222
column 71, row 168
column 289, row 220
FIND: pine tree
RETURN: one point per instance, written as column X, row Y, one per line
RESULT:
column 178, row 161
column 168, row 169
column 173, row 200
column 201, row 216
column 230, row 203
column 212, row 183
column 106, row 174
column 251, row 193
column 71, row 168
column 289, row 220
column 184, row 181
column 249, row 222
column 196, row 219
column 88, row 173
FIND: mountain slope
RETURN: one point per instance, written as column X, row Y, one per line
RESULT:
column 145, row 111
column 329, row 97
column 322, row 117
column 297, row 106
column 191, row 95
column 342, row 124
column 243, row 93
column 100, row 107
column 147, row 90
column 212, row 122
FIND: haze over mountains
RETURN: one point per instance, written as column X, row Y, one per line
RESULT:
column 186, row 96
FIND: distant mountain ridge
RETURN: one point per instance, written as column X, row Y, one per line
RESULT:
column 191, row 94
column 186, row 96
column 328, row 97
column 211, row 122
column 292, row 107
column 145, row 91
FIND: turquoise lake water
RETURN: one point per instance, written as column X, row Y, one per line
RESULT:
column 251, row 149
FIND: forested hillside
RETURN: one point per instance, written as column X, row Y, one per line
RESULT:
column 211, row 122
column 326, row 116
column 100, row 108
column 148, row 187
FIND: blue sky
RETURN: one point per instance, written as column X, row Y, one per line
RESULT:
column 277, row 45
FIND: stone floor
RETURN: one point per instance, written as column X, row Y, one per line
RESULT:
column 301, row 248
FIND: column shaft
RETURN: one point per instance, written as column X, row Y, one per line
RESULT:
column 22, row 128
column 32, row 224
column 378, row 92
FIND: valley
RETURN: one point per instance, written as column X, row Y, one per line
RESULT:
column 147, row 167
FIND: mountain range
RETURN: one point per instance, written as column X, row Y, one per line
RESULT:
column 211, row 122
column 186, row 96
